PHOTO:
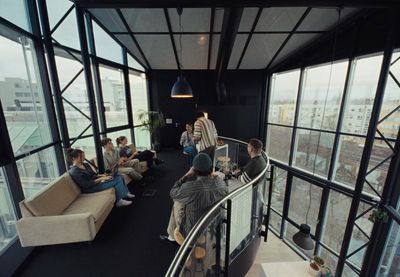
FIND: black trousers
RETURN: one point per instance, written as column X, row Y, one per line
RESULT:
column 147, row 156
column 210, row 151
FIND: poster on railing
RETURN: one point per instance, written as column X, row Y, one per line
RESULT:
column 240, row 218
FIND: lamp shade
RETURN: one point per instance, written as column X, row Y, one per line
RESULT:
column 181, row 88
column 303, row 239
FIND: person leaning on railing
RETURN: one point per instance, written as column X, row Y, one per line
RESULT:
column 256, row 164
column 193, row 195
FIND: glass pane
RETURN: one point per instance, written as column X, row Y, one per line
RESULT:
column 305, row 200
column 37, row 171
column 114, row 135
column 380, row 152
column 284, row 88
column 321, row 96
column 22, row 96
column 330, row 260
column 390, row 126
column 313, row 151
column 86, row 145
column 290, row 230
column 16, row 12
column 347, row 165
column 390, row 264
column 113, row 89
column 106, row 47
column 278, row 142
column 56, row 9
column 134, row 64
column 278, row 190
column 138, row 86
column 67, row 33
column 336, row 220
column 358, row 238
column 361, row 94
column 7, row 214
column 275, row 221
column 76, row 104
column 142, row 138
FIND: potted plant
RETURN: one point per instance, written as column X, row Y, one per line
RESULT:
column 379, row 215
column 151, row 121
column 316, row 264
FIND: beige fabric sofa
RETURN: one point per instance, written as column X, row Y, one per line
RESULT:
column 60, row 213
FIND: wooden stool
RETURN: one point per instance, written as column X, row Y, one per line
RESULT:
column 199, row 254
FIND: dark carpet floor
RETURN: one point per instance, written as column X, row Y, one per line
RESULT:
column 128, row 242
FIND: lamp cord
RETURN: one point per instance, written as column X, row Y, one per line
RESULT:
column 180, row 42
column 326, row 100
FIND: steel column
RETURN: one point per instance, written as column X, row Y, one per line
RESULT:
column 80, row 18
column 369, row 142
column 62, row 121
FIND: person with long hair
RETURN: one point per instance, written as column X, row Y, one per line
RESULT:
column 126, row 151
column 89, row 182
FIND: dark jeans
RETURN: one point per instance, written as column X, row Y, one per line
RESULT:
column 147, row 156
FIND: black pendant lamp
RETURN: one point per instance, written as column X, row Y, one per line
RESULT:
column 303, row 239
column 181, row 88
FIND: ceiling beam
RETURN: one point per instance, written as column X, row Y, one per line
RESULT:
column 230, row 26
column 235, row 3
column 172, row 38
column 218, row 33
column 210, row 37
column 299, row 53
column 306, row 12
column 249, row 36
column 133, row 38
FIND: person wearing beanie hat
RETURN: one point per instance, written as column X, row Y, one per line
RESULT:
column 193, row 195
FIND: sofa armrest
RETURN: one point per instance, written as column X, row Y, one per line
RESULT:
column 45, row 230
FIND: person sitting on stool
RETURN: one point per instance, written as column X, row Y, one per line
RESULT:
column 188, row 144
column 193, row 195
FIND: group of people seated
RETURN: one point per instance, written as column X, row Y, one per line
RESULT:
column 117, row 161
column 196, row 191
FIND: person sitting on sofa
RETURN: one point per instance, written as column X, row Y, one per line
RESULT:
column 188, row 144
column 146, row 155
column 90, row 182
column 112, row 159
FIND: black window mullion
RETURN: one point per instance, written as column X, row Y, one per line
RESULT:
column 96, row 75
column 46, row 88
column 296, row 117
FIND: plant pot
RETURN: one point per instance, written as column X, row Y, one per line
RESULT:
column 313, row 271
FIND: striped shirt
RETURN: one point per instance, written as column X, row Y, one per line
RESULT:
column 205, row 130
column 252, row 169
column 197, row 195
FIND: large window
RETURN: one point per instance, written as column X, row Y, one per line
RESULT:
column 22, row 95
column 37, row 171
column 15, row 11
column 138, row 86
column 114, row 100
column 7, row 214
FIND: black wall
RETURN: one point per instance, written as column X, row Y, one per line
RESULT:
column 239, row 117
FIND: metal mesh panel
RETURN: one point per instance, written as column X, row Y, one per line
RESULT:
column 237, row 50
column 193, row 20
column 110, row 19
column 146, row 20
column 158, row 50
column 194, row 51
column 279, row 19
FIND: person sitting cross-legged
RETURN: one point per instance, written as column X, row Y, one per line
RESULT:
column 193, row 195
column 112, row 159
column 90, row 182
column 146, row 155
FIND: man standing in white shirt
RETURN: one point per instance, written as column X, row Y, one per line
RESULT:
column 205, row 134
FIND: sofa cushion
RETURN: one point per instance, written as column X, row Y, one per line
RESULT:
column 94, row 203
column 54, row 198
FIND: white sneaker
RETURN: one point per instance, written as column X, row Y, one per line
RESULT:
column 123, row 203
column 130, row 195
